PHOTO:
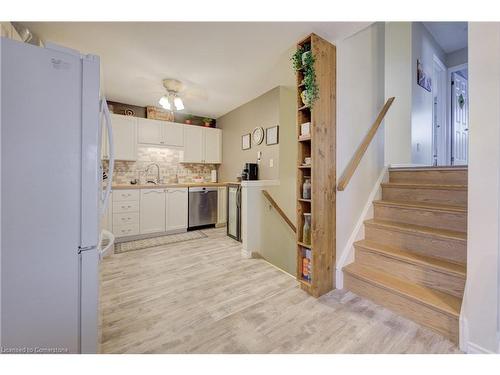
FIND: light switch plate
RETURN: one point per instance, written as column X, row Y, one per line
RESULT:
column 271, row 163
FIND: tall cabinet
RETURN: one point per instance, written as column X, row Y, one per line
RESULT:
column 316, row 257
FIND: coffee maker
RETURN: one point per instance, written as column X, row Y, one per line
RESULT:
column 250, row 172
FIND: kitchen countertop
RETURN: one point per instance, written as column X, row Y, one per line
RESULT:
column 165, row 186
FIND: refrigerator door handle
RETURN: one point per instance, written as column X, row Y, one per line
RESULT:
column 107, row 120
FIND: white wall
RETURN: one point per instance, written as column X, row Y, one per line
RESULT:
column 456, row 58
column 424, row 47
column 360, row 95
column 398, row 84
column 480, row 307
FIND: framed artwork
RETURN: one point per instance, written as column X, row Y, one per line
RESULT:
column 423, row 79
column 246, row 141
column 272, row 135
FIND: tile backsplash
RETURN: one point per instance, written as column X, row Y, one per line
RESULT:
column 171, row 169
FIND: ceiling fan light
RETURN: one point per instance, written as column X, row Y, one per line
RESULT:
column 179, row 105
column 165, row 103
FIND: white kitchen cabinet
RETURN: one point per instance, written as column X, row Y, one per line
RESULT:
column 202, row 145
column 213, row 146
column 125, row 212
column 124, row 137
column 176, row 208
column 152, row 212
column 149, row 131
column 173, row 134
column 160, row 133
column 193, row 144
column 221, row 206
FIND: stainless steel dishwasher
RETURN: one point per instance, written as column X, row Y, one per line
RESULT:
column 202, row 206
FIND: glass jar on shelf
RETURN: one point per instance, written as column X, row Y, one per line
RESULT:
column 306, row 188
column 306, row 229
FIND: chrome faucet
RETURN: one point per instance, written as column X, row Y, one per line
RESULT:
column 157, row 175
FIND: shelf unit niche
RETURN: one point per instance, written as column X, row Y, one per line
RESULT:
column 320, row 147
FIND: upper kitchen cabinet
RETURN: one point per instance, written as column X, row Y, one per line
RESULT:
column 8, row 31
column 213, row 146
column 202, row 145
column 161, row 133
column 124, row 137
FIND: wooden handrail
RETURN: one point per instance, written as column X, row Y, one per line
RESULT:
column 279, row 210
column 356, row 159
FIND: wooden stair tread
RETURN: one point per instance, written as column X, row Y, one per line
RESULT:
column 436, row 264
column 403, row 185
column 429, row 168
column 418, row 229
column 439, row 301
column 422, row 206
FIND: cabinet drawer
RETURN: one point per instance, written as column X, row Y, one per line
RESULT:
column 125, row 206
column 126, row 230
column 125, row 195
column 126, row 218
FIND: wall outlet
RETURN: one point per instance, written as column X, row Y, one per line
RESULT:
column 271, row 163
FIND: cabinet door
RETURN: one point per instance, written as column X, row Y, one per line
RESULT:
column 213, row 146
column 193, row 144
column 152, row 209
column 124, row 137
column 177, row 209
column 150, row 131
column 173, row 134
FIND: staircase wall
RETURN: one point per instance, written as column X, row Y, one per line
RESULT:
column 360, row 95
column 480, row 311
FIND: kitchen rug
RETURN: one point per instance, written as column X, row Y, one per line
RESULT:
column 158, row 241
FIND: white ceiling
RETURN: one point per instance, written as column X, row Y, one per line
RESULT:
column 451, row 36
column 224, row 65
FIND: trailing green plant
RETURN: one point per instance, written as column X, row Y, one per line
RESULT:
column 297, row 58
column 305, row 61
column 310, row 84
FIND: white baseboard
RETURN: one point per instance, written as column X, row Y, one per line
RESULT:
column 476, row 349
column 347, row 255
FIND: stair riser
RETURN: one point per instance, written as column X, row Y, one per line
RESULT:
column 442, row 248
column 452, row 197
column 415, row 273
column 447, row 177
column 456, row 221
column 409, row 308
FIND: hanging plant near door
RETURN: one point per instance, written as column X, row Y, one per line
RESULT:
column 303, row 59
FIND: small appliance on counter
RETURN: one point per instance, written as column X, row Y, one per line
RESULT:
column 250, row 172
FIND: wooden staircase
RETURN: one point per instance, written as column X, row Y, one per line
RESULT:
column 413, row 257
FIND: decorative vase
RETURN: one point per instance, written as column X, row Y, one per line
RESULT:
column 305, row 98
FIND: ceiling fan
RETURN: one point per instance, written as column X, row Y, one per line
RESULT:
column 172, row 99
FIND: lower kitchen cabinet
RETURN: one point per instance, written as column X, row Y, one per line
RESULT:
column 176, row 208
column 152, row 211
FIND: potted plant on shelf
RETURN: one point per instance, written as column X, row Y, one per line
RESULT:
column 303, row 59
column 207, row 121
column 189, row 119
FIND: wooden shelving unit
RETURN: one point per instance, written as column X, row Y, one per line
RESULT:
column 320, row 147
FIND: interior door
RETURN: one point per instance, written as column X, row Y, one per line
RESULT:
column 460, row 119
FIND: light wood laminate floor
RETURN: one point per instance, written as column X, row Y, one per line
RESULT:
column 200, row 296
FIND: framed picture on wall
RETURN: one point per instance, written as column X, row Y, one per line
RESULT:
column 272, row 135
column 246, row 141
column 423, row 79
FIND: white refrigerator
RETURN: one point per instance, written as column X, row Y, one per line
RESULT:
column 51, row 197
